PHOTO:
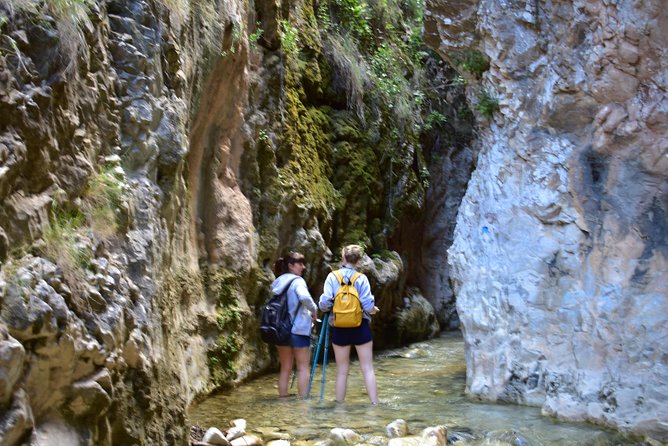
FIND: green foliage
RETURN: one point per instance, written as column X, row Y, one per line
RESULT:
column 102, row 198
column 434, row 119
column 414, row 9
column 351, row 70
column 354, row 16
column 401, row 96
column 487, row 104
column 254, row 37
column 459, row 81
column 385, row 67
column 356, row 168
column 62, row 243
column 416, row 46
column 323, row 18
column 473, row 62
column 289, row 38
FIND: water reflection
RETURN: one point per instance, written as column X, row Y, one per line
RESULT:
column 423, row 384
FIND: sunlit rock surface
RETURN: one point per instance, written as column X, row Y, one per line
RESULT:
column 559, row 261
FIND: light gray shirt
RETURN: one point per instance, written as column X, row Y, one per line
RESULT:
column 297, row 293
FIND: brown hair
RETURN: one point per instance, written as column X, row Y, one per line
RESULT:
column 352, row 254
column 281, row 265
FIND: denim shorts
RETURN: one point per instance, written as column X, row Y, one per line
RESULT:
column 299, row 341
column 352, row 336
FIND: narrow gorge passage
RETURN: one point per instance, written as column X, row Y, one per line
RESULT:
column 422, row 384
column 504, row 164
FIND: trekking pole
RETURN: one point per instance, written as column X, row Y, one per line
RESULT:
column 324, row 362
column 317, row 353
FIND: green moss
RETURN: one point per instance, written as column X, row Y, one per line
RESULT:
column 305, row 146
column 223, row 286
column 221, row 360
column 356, row 164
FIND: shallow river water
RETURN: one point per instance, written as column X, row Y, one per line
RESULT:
column 422, row 384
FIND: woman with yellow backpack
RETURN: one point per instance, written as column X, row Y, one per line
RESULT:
column 347, row 294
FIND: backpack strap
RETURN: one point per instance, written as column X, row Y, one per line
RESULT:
column 339, row 276
column 351, row 281
column 299, row 302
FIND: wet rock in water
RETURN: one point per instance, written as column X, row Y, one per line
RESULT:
column 271, row 434
column 435, row 435
column 418, row 319
column 215, row 436
column 397, row 428
column 239, row 423
column 325, row 442
column 247, row 440
column 416, row 353
column 377, row 440
column 342, row 437
column 278, row 443
column 460, row 437
column 406, row 441
column 235, row 432
column 510, row 438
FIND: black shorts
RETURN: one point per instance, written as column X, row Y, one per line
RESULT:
column 352, row 336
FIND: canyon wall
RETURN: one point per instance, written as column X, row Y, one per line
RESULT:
column 156, row 158
column 559, row 261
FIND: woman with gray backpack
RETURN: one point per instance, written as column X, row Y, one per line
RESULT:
column 302, row 312
column 347, row 295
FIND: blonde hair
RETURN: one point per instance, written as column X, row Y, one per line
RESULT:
column 352, row 254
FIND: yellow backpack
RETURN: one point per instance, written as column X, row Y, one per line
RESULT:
column 347, row 307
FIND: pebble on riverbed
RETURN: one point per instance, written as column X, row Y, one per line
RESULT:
column 397, row 435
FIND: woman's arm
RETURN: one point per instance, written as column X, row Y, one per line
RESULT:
column 367, row 299
column 327, row 298
column 304, row 296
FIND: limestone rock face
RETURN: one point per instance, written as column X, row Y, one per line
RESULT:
column 559, row 260
column 104, row 323
column 156, row 158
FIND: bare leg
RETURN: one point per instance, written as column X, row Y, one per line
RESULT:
column 365, row 355
column 285, row 357
column 303, row 357
column 342, row 356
